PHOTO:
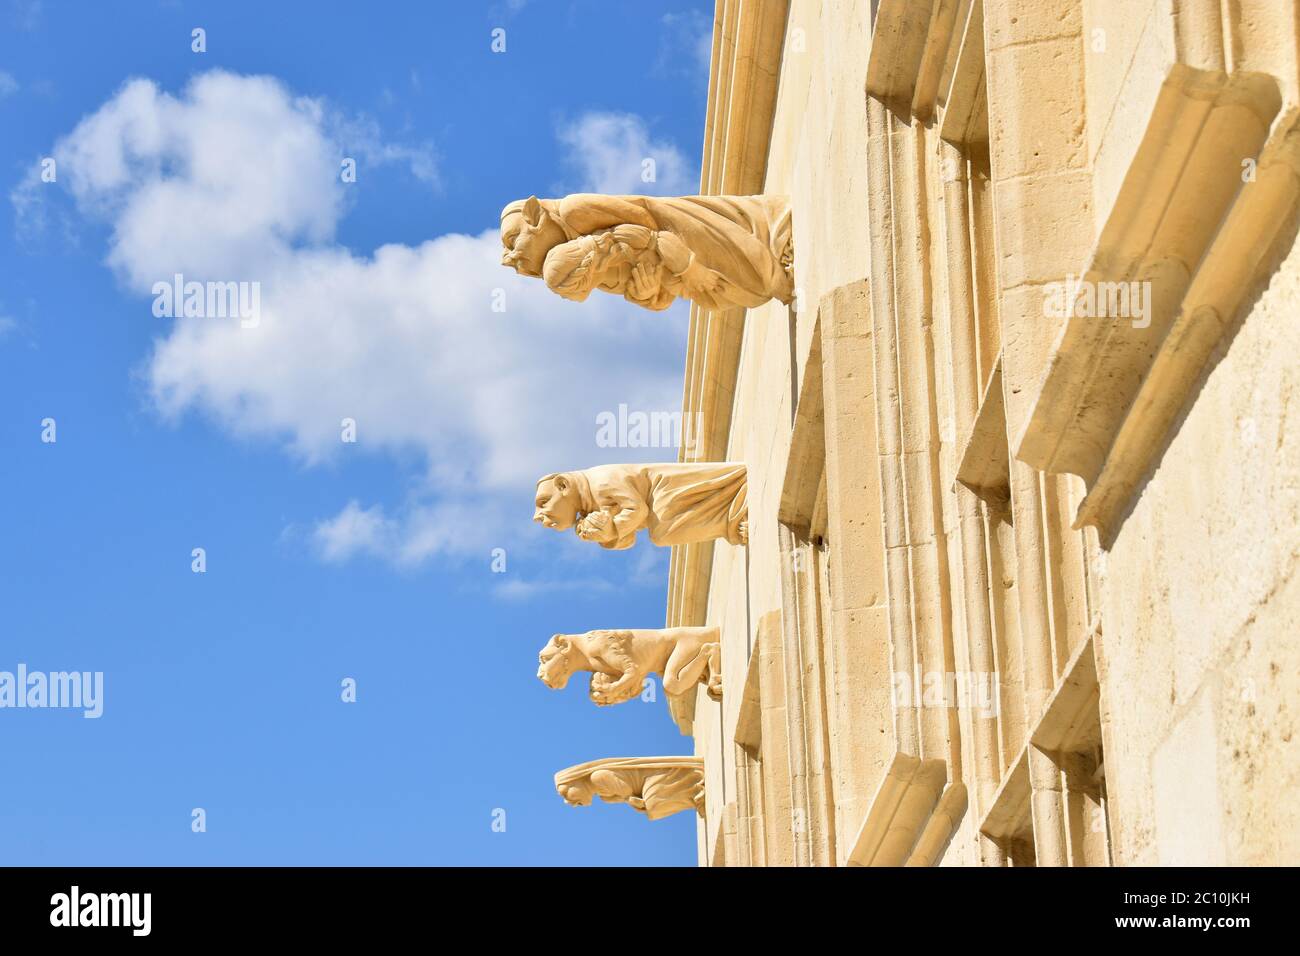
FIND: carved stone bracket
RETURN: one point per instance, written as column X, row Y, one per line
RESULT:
column 1189, row 234
column 655, row 786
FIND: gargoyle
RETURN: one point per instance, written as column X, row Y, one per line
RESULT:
column 621, row 660
column 655, row 786
column 719, row 251
column 676, row 502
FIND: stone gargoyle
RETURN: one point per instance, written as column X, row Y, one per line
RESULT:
column 676, row 502
column 620, row 661
column 655, row 786
column 720, row 252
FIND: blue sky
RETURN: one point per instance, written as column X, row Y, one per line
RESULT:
column 326, row 559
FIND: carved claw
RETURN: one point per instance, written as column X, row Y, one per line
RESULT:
column 714, row 687
column 606, row 690
column 599, row 691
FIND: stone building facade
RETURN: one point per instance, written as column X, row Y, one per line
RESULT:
column 1023, row 450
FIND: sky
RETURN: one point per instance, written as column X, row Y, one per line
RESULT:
column 242, row 520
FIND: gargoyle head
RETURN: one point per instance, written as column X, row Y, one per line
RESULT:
column 577, row 793
column 528, row 233
column 555, row 669
column 557, row 502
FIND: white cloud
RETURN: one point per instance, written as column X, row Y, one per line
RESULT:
column 8, row 85
column 610, row 152
column 235, row 170
column 234, row 173
column 361, row 135
column 354, row 530
column 237, row 180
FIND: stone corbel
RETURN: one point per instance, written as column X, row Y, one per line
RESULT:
column 985, row 466
column 655, row 786
column 1187, row 235
column 898, row 49
column 927, row 61
column 912, row 817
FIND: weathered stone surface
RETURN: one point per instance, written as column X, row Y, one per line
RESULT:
column 676, row 503
column 720, row 252
column 1029, row 597
column 655, row 786
column 620, row 661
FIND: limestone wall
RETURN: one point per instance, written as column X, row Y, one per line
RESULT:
column 1099, row 516
column 1202, row 607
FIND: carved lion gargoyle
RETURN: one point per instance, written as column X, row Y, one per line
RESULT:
column 620, row 661
column 676, row 502
column 720, row 252
column 655, row 786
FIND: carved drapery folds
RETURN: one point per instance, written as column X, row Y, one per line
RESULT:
column 655, row 786
column 721, row 252
column 620, row 661
column 677, row 503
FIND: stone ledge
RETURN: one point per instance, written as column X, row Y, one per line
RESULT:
column 1009, row 819
column 1184, row 180
column 898, row 42
column 749, row 721
column 1071, row 721
column 899, row 812
column 965, row 104
column 985, row 463
column 1239, row 259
